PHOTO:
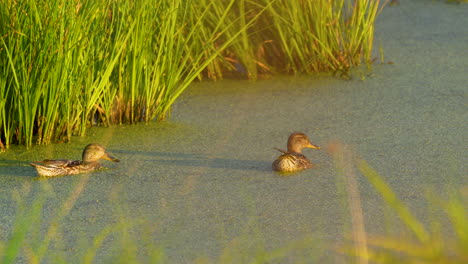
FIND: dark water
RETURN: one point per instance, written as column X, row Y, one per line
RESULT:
column 200, row 185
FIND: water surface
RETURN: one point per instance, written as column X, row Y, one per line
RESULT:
column 200, row 184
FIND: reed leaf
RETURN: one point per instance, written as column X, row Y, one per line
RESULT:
column 68, row 65
column 391, row 199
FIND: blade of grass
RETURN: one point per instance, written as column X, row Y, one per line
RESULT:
column 391, row 199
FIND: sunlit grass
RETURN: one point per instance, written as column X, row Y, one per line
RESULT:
column 316, row 36
column 420, row 244
column 68, row 65
column 416, row 241
column 300, row 37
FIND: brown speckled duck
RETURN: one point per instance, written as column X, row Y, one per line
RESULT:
column 293, row 159
column 92, row 153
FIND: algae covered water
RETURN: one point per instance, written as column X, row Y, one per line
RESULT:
column 200, row 187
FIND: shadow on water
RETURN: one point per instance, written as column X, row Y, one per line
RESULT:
column 219, row 163
column 16, row 168
column 200, row 160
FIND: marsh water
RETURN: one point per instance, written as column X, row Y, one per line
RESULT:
column 199, row 186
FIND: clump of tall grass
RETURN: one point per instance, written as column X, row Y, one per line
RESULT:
column 66, row 65
column 314, row 36
column 302, row 37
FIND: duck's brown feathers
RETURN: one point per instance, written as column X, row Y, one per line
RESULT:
column 91, row 155
column 293, row 159
column 290, row 162
column 50, row 168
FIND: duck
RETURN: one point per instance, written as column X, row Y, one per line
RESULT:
column 92, row 153
column 293, row 160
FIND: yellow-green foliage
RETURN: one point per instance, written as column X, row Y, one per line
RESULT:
column 32, row 236
column 66, row 65
column 420, row 245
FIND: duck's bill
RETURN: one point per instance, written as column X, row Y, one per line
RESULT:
column 109, row 157
column 313, row 146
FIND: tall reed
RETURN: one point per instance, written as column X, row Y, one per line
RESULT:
column 68, row 65
column 301, row 37
column 314, row 36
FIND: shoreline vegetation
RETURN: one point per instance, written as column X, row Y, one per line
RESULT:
column 68, row 65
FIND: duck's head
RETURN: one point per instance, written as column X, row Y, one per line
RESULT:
column 94, row 151
column 297, row 141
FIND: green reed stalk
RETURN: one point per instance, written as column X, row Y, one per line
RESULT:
column 175, row 60
column 430, row 247
column 5, row 123
column 457, row 212
column 241, row 53
column 390, row 198
column 97, row 243
column 313, row 36
column 216, row 18
column 243, row 47
column 69, row 65
column 27, row 218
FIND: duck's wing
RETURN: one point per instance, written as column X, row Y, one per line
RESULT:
column 302, row 161
column 57, row 163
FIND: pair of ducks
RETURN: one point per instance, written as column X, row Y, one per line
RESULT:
column 290, row 161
